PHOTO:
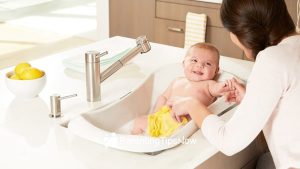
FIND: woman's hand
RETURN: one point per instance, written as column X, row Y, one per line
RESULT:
column 237, row 91
column 182, row 106
column 179, row 107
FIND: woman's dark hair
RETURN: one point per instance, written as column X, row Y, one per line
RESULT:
column 257, row 23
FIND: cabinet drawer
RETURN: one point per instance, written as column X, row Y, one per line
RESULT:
column 169, row 32
column 172, row 33
column 221, row 39
column 178, row 12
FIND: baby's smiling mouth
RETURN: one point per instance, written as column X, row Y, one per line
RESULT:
column 198, row 72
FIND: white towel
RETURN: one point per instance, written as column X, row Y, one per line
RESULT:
column 195, row 28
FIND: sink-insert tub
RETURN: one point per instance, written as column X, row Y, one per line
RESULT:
column 110, row 125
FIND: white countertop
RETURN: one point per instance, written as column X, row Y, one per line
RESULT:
column 30, row 139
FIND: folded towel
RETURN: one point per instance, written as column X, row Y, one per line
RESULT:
column 195, row 29
column 161, row 124
column 77, row 62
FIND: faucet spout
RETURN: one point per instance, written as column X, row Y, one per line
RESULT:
column 92, row 75
column 92, row 64
column 142, row 46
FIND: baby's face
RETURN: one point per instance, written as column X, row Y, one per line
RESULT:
column 200, row 64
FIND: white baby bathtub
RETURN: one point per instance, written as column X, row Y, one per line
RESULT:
column 110, row 126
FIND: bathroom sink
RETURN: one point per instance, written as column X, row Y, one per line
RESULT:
column 110, row 125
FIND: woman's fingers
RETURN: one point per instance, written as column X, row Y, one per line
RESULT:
column 227, row 96
column 239, row 87
column 240, row 90
column 175, row 115
column 229, row 83
column 230, row 96
column 178, row 107
column 178, row 119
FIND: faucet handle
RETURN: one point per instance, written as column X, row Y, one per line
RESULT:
column 67, row 97
column 94, row 56
column 103, row 54
column 55, row 104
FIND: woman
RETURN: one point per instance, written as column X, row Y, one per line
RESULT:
column 264, row 30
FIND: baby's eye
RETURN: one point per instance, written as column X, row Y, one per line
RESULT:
column 194, row 60
column 208, row 64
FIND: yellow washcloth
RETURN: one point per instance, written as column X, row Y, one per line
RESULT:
column 162, row 124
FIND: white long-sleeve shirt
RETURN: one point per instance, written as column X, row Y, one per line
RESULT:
column 271, row 104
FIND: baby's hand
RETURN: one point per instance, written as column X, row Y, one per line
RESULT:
column 224, row 87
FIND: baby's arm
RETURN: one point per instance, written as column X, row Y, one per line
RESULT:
column 163, row 98
column 217, row 89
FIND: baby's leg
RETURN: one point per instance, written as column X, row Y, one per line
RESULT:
column 140, row 125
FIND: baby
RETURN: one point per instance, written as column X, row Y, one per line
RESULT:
column 201, row 65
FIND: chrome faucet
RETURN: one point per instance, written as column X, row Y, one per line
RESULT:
column 92, row 67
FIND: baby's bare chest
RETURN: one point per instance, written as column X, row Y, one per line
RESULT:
column 199, row 91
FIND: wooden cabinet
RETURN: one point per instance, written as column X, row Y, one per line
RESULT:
column 245, row 159
column 169, row 32
column 131, row 18
column 170, row 25
column 292, row 7
column 163, row 21
column 176, row 11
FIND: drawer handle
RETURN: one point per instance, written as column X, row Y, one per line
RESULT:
column 175, row 29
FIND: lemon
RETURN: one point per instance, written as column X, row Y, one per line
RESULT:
column 31, row 73
column 21, row 67
column 15, row 77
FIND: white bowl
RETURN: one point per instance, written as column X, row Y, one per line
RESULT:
column 25, row 88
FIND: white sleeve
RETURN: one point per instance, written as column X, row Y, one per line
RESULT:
column 263, row 92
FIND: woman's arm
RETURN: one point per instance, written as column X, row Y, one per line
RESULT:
column 264, row 89
column 189, row 106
